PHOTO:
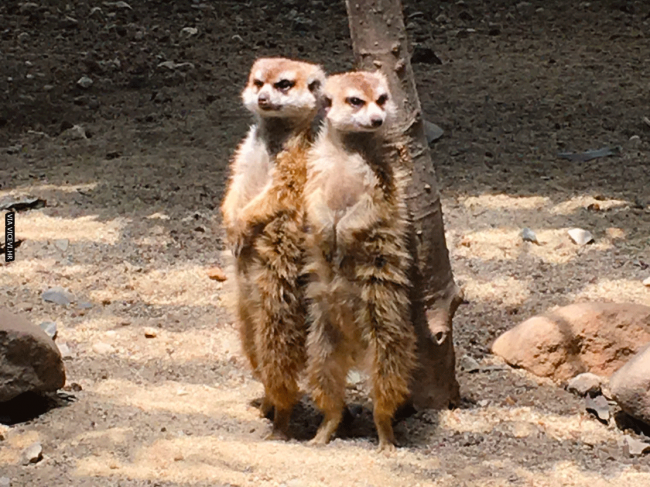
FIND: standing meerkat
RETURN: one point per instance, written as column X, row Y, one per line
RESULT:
column 263, row 216
column 358, row 257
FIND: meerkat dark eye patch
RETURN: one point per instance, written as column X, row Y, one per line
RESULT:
column 284, row 84
column 258, row 83
column 382, row 99
column 355, row 102
column 314, row 86
column 326, row 103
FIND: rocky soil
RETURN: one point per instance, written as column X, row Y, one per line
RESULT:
column 123, row 116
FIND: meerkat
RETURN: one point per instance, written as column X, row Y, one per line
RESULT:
column 263, row 217
column 358, row 258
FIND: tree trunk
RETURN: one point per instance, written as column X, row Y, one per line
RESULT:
column 380, row 42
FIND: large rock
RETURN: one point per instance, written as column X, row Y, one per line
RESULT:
column 584, row 337
column 630, row 386
column 29, row 359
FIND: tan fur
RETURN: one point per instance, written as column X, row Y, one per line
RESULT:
column 263, row 216
column 358, row 258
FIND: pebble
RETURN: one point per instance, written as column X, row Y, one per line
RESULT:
column 64, row 350
column 582, row 384
column 5, row 482
column 189, row 31
column 646, row 281
column 528, row 235
column 217, row 274
column 580, row 236
column 32, row 454
column 85, row 82
column 57, row 295
column 150, row 332
column 634, row 142
column 49, row 327
column 103, row 348
column 469, row 364
column 633, row 447
column 62, row 244
column 599, row 406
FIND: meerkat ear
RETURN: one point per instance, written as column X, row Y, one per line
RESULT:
column 314, row 86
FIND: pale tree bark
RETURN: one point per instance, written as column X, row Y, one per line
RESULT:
column 380, row 42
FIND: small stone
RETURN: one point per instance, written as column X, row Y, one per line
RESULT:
column 580, row 236
column 469, row 364
column 85, row 82
column 84, row 305
column 4, row 430
column 217, row 274
column 528, row 235
column 646, row 282
column 48, row 87
column 189, row 31
column 95, row 11
column 634, row 142
column 62, row 244
column 583, row 384
column 32, row 454
column 150, row 332
column 49, row 327
column 524, row 8
column 633, row 447
column 599, row 406
column 23, row 37
column 64, row 350
column 5, row 482
column 57, row 295
column 103, row 348
column 432, row 131
column 630, row 385
column 483, row 403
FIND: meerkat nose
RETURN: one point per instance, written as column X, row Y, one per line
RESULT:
column 263, row 100
column 376, row 122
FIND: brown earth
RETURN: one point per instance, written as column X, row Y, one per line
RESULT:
column 137, row 203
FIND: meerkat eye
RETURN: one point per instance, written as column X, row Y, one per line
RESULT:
column 258, row 83
column 284, row 84
column 382, row 99
column 355, row 102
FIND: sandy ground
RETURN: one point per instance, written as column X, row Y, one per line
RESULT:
column 137, row 205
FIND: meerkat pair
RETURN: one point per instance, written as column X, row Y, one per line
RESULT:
column 333, row 211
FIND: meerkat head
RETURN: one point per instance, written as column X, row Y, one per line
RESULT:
column 283, row 88
column 357, row 101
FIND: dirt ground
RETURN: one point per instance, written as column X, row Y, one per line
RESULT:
column 131, row 226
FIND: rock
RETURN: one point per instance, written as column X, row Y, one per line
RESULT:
column 5, row 482
column 646, row 282
column 76, row 132
column 598, row 405
column 123, row 5
column 583, row 384
column 468, row 364
column 57, row 295
column 525, row 8
column 189, row 31
column 103, row 348
column 432, row 132
column 64, row 350
column 529, row 236
column 630, row 386
column 150, row 332
column 32, row 454
column 424, row 55
column 85, row 82
column 49, row 327
column 217, row 274
column 84, row 305
column 633, row 447
column 634, row 142
column 584, row 337
column 4, row 432
column 580, row 236
column 29, row 359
